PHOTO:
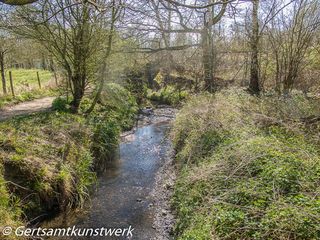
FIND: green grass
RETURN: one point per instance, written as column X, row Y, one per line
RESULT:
column 249, row 168
column 26, row 86
column 56, row 155
column 37, row 150
column 9, row 209
column 24, row 77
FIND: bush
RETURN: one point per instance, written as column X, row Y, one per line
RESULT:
column 60, row 104
column 168, row 95
column 118, row 103
column 248, row 168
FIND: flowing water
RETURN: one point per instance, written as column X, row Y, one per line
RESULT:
column 123, row 197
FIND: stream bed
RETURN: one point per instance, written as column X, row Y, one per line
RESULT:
column 126, row 193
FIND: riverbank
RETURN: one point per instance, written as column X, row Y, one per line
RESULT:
column 50, row 160
column 248, row 167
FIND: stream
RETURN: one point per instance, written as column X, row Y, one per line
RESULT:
column 125, row 193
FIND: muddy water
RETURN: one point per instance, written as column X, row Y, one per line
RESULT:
column 123, row 197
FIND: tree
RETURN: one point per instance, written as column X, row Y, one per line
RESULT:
column 291, row 35
column 72, row 33
column 115, row 13
column 193, row 19
column 254, row 85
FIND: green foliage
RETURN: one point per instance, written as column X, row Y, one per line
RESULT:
column 136, row 84
column 106, row 135
column 249, row 169
column 119, row 104
column 168, row 95
column 48, row 153
column 60, row 104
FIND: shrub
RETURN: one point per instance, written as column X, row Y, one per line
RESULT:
column 168, row 95
column 60, row 104
column 106, row 135
column 118, row 103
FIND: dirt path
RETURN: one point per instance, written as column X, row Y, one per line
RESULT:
column 38, row 105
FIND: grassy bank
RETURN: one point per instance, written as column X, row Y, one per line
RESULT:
column 248, row 167
column 49, row 160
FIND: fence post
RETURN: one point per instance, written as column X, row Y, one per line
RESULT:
column 11, row 83
column 39, row 80
column 55, row 77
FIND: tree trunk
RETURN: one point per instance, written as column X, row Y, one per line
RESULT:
column 254, row 85
column 78, row 92
column 101, row 85
column 207, row 60
column 3, row 76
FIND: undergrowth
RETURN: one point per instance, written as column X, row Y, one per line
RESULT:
column 168, row 95
column 249, row 167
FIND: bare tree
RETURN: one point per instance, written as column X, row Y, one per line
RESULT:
column 291, row 35
column 193, row 19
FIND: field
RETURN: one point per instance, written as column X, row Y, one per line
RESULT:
column 26, row 87
column 26, row 79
